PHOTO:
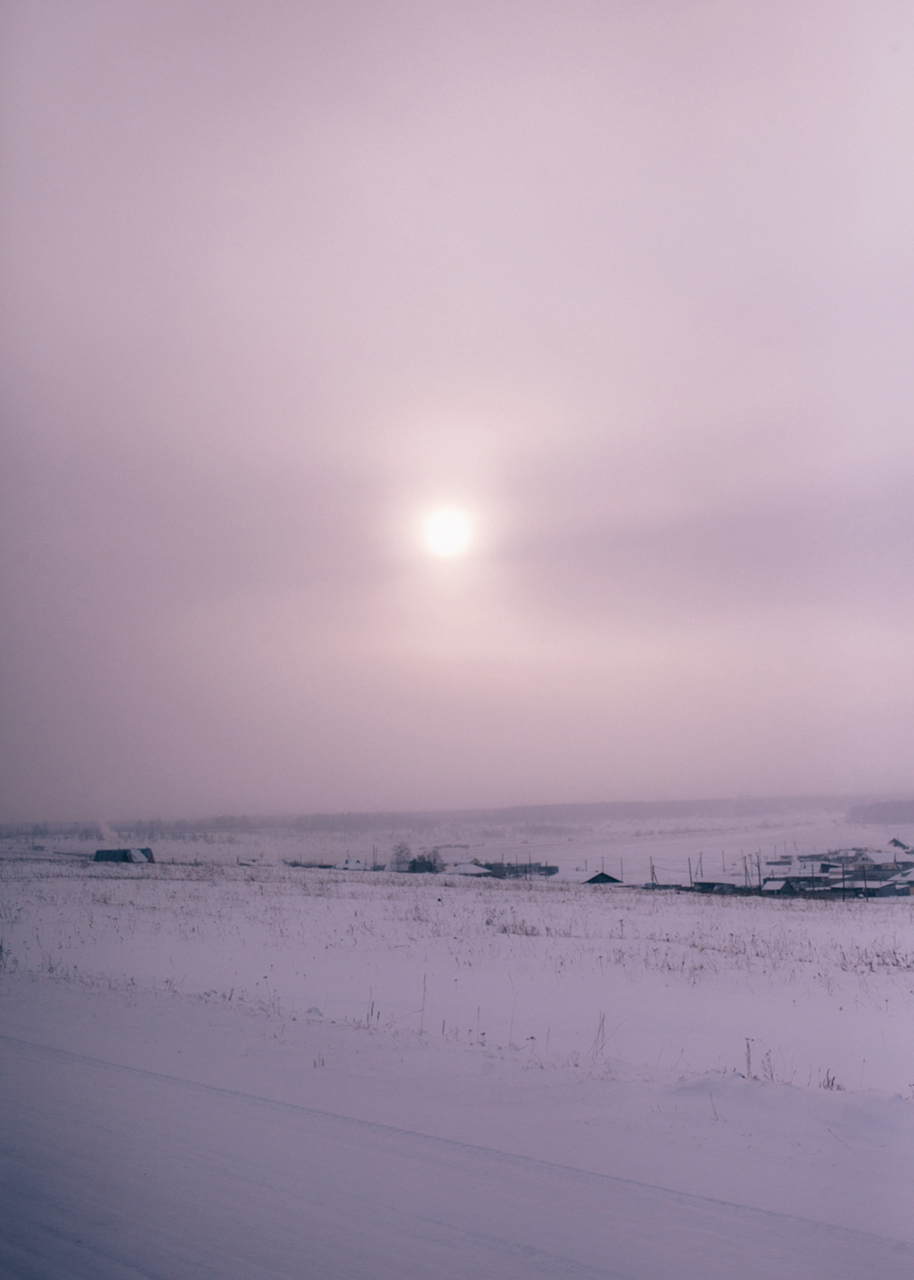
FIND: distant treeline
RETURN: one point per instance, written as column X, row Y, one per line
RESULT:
column 49, row 830
column 891, row 812
column 540, row 819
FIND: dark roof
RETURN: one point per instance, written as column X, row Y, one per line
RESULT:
column 124, row 855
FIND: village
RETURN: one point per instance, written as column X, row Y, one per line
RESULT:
column 836, row 874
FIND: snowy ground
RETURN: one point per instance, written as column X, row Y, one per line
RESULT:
column 527, row 1079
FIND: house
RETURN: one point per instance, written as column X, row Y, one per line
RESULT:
column 602, row 878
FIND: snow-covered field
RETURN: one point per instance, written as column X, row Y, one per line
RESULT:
column 754, row 1053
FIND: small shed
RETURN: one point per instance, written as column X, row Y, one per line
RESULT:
column 124, row 855
column 602, row 878
column 774, row 885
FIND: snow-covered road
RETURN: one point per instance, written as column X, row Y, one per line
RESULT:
column 110, row 1172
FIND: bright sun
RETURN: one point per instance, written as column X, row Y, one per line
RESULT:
column 447, row 532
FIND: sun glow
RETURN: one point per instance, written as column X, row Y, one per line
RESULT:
column 447, row 532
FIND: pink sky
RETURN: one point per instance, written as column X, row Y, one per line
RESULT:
column 631, row 283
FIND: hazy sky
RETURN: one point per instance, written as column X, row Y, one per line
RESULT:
column 628, row 282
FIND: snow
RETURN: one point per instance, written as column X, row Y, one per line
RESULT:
column 244, row 1071
column 146, row 1174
